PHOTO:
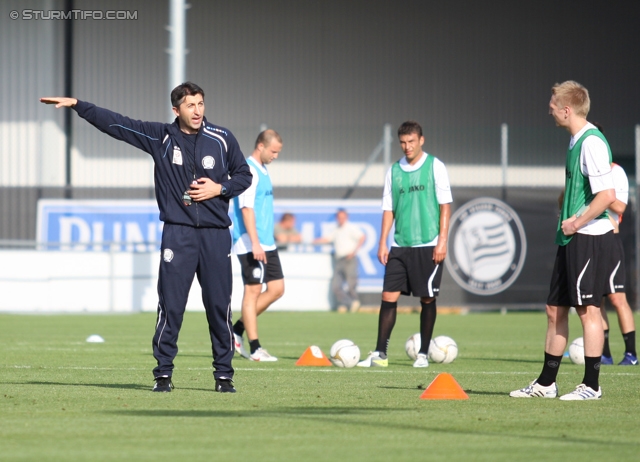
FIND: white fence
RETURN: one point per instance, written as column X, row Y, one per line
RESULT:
column 85, row 282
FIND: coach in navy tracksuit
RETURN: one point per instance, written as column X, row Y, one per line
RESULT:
column 198, row 168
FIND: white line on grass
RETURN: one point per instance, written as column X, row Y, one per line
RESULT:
column 386, row 371
column 305, row 369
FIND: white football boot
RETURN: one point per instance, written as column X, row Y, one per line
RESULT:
column 421, row 361
column 581, row 393
column 239, row 346
column 262, row 355
column 535, row 390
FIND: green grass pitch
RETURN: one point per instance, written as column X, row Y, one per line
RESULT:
column 63, row 399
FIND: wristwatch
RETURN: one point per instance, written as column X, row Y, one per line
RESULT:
column 223, row 191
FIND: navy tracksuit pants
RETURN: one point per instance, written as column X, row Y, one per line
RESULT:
column 204, row 252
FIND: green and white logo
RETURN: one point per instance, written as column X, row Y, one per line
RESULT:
column 487, row 246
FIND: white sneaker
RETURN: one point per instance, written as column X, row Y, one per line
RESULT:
column 535, row 390
column 355, row 306
column 374, row 360
column 239, row 346
column 421, row 361
column 262, row 355
column 582, row 392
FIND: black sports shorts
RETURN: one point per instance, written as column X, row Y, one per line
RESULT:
column 411, row 271
column 617, row 273
column 256, row 272
column 581, row 270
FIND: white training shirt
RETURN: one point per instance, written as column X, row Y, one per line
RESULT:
column 621, row 182
column 441, row 178
column 594, row 159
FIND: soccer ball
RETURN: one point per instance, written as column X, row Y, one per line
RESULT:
column 576, row 351
column 412, row 346
column 443, row 349
column 344, row 353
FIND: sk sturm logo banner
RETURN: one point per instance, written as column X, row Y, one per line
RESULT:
column 487, row 246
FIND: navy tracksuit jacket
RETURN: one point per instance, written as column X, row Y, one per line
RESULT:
column 195, row 239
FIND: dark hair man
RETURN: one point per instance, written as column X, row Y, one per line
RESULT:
column 198, row 168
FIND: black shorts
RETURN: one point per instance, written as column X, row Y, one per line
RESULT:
column 581, row 271
column 411, row 271
column 617, row 273
column 256, row 272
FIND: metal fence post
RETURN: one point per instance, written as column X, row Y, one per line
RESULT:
column 386, row 154
column 636, row 282
column 384, row 147
column 504, row 157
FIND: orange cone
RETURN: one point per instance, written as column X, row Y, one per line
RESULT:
column 444, row 386
column 313, row 356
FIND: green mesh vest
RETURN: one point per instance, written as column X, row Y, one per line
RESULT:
column 415, row 205
column 577, row 191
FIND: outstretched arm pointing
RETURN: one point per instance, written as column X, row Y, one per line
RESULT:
column 59, row 101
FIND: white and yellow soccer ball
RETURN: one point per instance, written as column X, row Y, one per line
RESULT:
column 443, row 349
column 576, row 351
column 412, row 346
column 344, row 353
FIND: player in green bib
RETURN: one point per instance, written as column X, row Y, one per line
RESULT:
column 578, row 194
column 417, row 198
column 415, row 205
column 585, row 242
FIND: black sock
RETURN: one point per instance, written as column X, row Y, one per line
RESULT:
column 238, row 327
column 591, row 371
column 254, row 345
column 427, row 322
column 386, row 321
column 630, row 342
column 549, row 369
column 605, row 350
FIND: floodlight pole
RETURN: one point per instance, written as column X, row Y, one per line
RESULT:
column 177, row 44
column 68, row 90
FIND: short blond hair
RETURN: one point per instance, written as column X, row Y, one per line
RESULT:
column 265, row 137
column 574, row 95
